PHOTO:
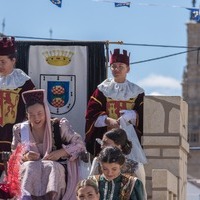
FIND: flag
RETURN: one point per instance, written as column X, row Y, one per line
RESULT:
column 127, row 4
column 57, row 2
column 195, row 14
column 62, row 71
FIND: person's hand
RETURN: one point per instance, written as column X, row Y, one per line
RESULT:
column 112, row 123
column 129, row 116
column 31, row 156
column 55, row 155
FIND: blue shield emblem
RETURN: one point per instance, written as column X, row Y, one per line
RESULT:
column 60, row 92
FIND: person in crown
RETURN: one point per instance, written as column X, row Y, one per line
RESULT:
column 114, row 101
column 49, row 168
column 13, row 82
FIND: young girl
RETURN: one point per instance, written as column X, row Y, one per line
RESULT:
column 50, row 163
column 87, row 189
column 113, row 185
column 117, row 137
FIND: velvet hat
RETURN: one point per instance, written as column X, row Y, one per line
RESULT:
column 7, row 46
column 32, row 97
column 117, row 57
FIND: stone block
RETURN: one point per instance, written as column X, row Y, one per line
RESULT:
column 176, row 153
column 184, row 119
column 161, row 141
column 160, row 195
column 162, row 178
column 185, row 145
column 152, row 152
column 149, row 188
column 171, row 165
column 160, row 113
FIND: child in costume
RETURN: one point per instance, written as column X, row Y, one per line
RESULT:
column 50, row 162
column 117, row 137
column 12, row 83
column 87, row 189
column 114, row 100
column 112, row 184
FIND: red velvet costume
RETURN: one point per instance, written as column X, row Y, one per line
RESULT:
column 11, row 102
column 12, row 85
column 114, row 98
column 101, row 105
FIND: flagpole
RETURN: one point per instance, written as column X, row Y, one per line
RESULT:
column 3, row 25
column 193, row 3
column 50, row 32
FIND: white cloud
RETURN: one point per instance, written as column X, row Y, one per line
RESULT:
column 156, row 94
column 159, row 85
column 159, row 81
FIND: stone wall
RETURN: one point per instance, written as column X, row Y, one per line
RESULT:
column 191, row 94
column 164, row 185
column 165, row 140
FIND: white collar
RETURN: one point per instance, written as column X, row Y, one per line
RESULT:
column 119, row 91
column 13, row 80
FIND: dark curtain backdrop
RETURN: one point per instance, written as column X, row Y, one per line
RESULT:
column 96, row 59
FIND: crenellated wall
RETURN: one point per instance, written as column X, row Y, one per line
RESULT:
column 165, row 144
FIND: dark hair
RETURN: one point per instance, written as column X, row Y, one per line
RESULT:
column 87, row 182
column 12, row 56
column 119, row 137
column 31, row 103
column 111, row 155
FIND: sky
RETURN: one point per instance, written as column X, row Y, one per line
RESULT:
column 144, row 23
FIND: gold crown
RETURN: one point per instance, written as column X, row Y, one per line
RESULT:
column 58, row 57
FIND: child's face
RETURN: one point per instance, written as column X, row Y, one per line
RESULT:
column 6, row 65
column 36, row 116
column 87, row 193
column 110, row 170
column 119, row 71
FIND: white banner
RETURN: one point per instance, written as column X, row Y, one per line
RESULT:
column 62, row 72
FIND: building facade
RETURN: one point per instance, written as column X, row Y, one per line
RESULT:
column 191, row 94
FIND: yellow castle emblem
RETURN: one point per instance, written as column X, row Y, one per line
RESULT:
column 58, row 57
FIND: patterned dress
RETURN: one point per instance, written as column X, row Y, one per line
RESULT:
column 123, row 187
column 130, row 167
column 50, row 179
column 12, row 108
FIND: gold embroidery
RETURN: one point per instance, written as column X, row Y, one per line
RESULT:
column 9, row 100
column 113, row 107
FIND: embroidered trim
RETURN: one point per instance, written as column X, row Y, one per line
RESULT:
column 96, row 100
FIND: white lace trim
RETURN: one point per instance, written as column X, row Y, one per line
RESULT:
column 119, row 91
column 14, row 80
column 106, row 192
